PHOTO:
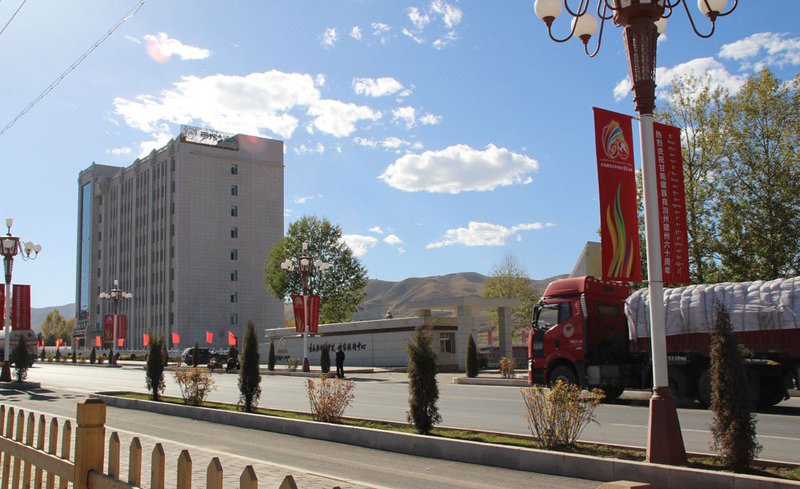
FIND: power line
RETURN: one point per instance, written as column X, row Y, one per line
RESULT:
column 128, row 15
column 12, row 17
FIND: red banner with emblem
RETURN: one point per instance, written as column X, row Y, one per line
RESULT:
column 671, row 204
column 108, row 327
column 619, row 223
column 299, row 307
column 21, row 307
column 313, row 313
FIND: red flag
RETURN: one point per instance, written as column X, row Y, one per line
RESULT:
column 146, row 339
column 209, row 337
column 120, row 342
column 58, row 342
column 176, row 338
column 231, row 339
column 619, row 224
column 671, row 204
column 97, row 342
column 41, row 343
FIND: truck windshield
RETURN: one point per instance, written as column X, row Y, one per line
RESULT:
column 545, row 316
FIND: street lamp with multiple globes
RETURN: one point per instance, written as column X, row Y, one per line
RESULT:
column 304, row 265
column 115, row 295
column 643, row 21
column 11, row 247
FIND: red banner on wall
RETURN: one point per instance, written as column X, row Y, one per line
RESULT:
column 21, row 307
column 671, row 204
column 619, row 223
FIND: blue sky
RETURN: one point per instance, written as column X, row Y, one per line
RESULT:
column 440, row 135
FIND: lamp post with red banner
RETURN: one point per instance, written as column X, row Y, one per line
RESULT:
column 115, row 295
column 642, row 22
column 305, row 266
column 11, row 247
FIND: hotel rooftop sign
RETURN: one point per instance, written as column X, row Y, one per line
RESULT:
column 209, row 137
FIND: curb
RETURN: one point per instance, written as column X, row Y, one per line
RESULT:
column 24, row 385
column 515, row 458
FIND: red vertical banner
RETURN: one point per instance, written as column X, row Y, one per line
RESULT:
column 97, row 342
column 176, row 338
column 671, row 204
column 146, row 339
column 108, row 328
column 120, row 342
column 122, row 326
column 619, row 223
column 299, row 307
column 231, row 338
column 209, row 337
column 313, row 313
column 21, row 307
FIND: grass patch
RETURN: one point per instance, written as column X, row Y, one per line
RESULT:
column 706, row 462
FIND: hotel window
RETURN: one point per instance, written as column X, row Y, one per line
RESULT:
column 234, row 233
column 234, row 297
column 234, row 276
column 234, row 169
column 234, row 254
column 234, row 190
column 234, row 318
column 234, row 210
column 447, row 342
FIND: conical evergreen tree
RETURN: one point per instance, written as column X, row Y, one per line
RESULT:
column 155, row 368
column 472, row 358
column 271, row 357
column 249, row 373
column 422, row 387
column 325, row 359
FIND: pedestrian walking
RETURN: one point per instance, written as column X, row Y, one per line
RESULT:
column 339, row 362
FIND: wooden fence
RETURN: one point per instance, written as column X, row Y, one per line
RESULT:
column 28, row 450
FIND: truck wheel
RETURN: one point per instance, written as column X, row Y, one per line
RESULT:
column 770, row 393
column 612, row 393
column 564, row 373
column 704, row 388
column 679, row 388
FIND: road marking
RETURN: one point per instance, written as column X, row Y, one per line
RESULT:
column 788, row 438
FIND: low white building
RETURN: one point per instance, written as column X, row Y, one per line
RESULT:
column 382, row 342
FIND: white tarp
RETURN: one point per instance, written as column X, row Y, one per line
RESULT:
column 753, row 306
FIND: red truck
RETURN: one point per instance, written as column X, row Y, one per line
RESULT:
column 596, row 334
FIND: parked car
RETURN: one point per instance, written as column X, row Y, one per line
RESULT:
column 204, row 356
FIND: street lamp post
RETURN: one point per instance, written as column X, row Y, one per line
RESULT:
column 11, row 247
column 304, row 265
column 115, row 295
column 642, row 22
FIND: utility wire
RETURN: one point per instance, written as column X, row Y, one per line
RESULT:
column 12, row 17
column 128, row 15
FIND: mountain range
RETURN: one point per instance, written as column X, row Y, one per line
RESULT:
column 401, row 298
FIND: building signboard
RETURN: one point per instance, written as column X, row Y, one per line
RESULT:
column 209, row 137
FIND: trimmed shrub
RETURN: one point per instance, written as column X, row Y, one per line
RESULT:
column 249, row 373
column 93, row 356
column 195, row 385
column 58, row 354
column 292, row 363
column 195, row 355
column 42, row 354
column 20, row 358
column 156, row 361
column 325, row 359
column 271, row 356
column 733, row 428
column 329, row 398
column 507, row 366
column 558, row 415
column 422, row 387
column 472, row 358
column 74, row 355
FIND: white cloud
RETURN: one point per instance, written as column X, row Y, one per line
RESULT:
column 393, row 240
column 376, row 230
column 339, row 118
column 319, row 79
column 430, row 119
column 406, row 115
column 376, row 87
column 417, row 18
column 484, row 234
column 381, row 31
column 319, row 149
column 125, row 150
column 244, row 104
column 329, row 37
column 390, row 143
column 355, row 33
column 306, row 198
column 778, row 50
column 446, row 40
column 451, row 16
column 162, row 48
column 459, row 168
column 622, row 89
column 132, row 39
column 366, row 142
column 159, row 139
column 358, row 243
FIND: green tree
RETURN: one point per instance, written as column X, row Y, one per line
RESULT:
column 423, row 391
column 156, row 362
column 759, row 221
column 52, row 327
column 733, row 428
column 509, row 280
column 472, row 358
column 341, row 287
column 249, row 374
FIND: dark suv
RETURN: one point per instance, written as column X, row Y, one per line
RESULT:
column 204, row 356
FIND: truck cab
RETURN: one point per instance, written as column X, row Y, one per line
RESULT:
column 579, row 327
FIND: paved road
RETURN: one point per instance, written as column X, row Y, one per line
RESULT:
column 495, row 408
column 314, row 464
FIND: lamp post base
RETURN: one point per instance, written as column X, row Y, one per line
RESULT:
column 6, row 375
column 664, row 439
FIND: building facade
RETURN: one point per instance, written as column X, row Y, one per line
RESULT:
column 187, row 231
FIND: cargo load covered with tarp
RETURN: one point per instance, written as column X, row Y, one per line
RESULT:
column 765, row 316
